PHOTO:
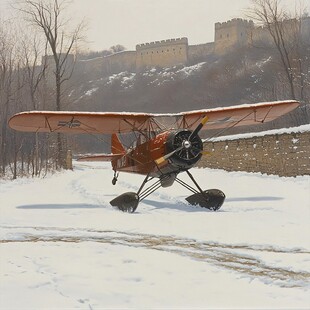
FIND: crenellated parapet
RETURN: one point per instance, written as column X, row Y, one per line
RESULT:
column 165, row 53
column 162, row 43
column 236, row 22
column 231, row 34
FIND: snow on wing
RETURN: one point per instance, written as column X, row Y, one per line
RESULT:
column 78, row 122
column 108, row 123
column 242, row 115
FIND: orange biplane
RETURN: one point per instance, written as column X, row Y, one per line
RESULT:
column 165, row 144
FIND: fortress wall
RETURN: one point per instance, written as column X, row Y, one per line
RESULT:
column 91, row 65
column 291, row 28
column 197, row 53
column 168, row 53
column 280, row 154
column 118, row 62
column 165, row 53
column 231, row 33
column 51, row 67
column 260, row 34
column 115, row 63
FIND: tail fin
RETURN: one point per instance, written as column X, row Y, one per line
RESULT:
column 116, row 145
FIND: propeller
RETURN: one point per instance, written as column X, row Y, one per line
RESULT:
column 160, row 160
column 187, row 144
column 198, row 128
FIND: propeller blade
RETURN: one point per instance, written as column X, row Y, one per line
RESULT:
column 198, row 128
column 160, row 160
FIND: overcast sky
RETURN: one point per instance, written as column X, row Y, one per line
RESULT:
column 130, row 22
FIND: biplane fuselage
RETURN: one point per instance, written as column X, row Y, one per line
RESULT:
column 142, row 157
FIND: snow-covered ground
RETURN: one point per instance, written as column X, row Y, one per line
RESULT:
column 62, row 246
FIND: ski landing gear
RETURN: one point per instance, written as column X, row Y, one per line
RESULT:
column 128, row 202
column 211, row 199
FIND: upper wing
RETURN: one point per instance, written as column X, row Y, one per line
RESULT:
column 108, row 123
column 78, row 122
column 242, row 115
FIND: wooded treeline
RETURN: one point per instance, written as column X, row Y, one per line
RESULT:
column 44, row 39
column 23, row 87
column 38, row 72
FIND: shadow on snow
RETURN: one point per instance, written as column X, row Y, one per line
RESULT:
column 260, row 198
column 177, row 205
column 59, row 206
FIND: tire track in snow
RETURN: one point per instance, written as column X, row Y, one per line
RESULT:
column 221, row 255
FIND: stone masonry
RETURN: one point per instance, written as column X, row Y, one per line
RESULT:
column 280, row 154
column 167, row 53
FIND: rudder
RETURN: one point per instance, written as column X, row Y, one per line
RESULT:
column 116, row 145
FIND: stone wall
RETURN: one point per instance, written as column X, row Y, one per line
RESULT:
column 235, row 32
column 199, row 52
column 166, row 53
column 90, row 65
column 118, row 62
column 280, row 154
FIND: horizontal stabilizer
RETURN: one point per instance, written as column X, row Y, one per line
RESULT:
column 101, row 157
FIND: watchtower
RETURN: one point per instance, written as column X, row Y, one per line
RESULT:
column 235, row 32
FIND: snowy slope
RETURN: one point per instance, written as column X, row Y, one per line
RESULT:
column 64, row 246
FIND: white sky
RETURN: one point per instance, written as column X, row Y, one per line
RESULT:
column 130, row 22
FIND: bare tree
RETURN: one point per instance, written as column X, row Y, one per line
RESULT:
column 33, row 75
column 47, row 16
column 287, row 34
column 7, row 62
column 284, row 31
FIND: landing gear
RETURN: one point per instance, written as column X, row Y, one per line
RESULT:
column 114, row 180
column 211, row 199
column 128, row 202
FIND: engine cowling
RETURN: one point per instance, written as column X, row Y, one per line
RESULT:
column 190, row 148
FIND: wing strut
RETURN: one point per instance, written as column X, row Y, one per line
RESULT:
column 230, row 127
column 266, row 114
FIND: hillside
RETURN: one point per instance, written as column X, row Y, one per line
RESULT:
column 246, row 75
